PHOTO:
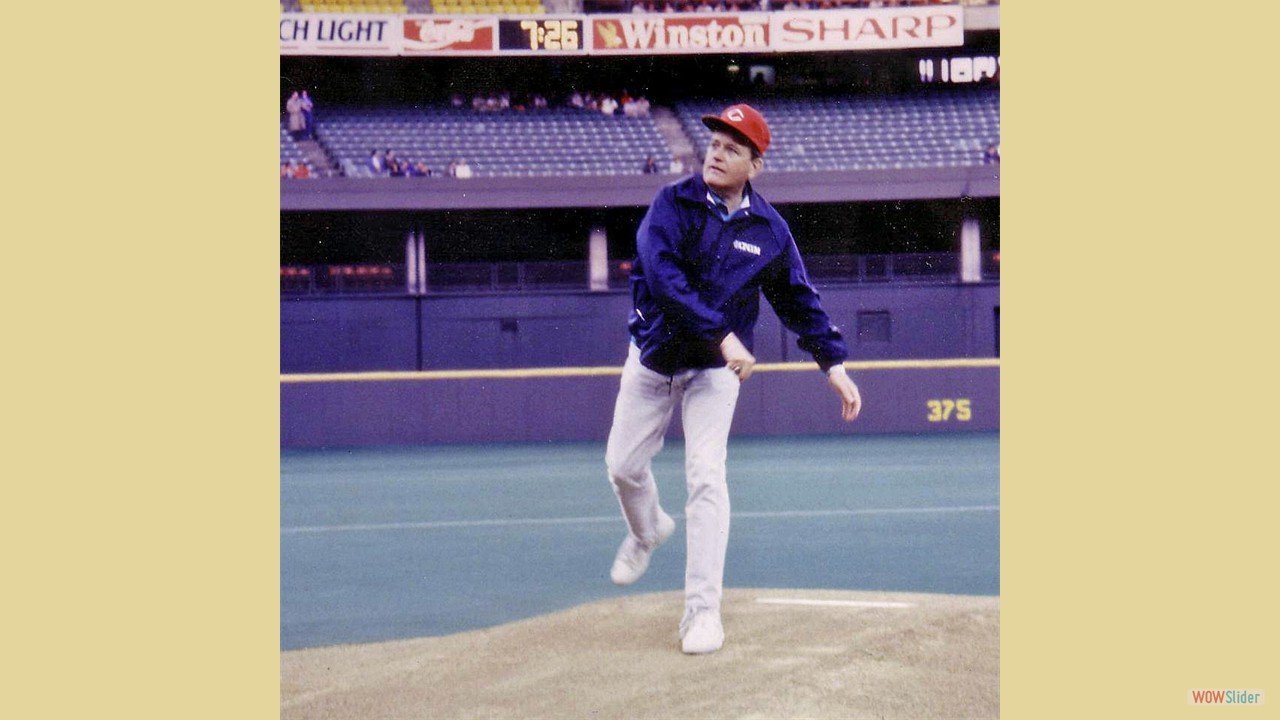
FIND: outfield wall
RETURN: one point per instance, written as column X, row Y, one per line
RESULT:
column 514, row 406
column 504, row 368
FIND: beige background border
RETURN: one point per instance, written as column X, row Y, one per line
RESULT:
column 141, row 504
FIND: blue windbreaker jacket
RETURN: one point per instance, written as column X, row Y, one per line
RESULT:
column 696, row 278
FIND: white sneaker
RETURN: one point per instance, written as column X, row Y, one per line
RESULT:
column 701, row 633
column 633, row 556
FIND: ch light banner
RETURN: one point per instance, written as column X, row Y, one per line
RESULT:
column 330, row 34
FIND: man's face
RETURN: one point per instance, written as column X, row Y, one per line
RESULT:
column 729, row 165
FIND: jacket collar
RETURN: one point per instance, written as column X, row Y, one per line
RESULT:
column 693, row 190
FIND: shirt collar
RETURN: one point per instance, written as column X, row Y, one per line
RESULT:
column 723, row 209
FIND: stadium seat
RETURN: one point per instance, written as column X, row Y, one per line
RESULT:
column 555, row 142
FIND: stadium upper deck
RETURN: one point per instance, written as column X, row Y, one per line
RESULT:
column 924, row 130
column 904, row 123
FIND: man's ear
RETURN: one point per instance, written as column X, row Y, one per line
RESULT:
column 757, row 164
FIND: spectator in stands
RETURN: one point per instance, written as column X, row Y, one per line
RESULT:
column 991, row 154
column 377, row 163
column 459, row 168
column 286, row 169
column 297, row 121
column 395, row 167
column 539, row 101
column 608, row 106
column 576, row 100
column 301, row 171
column 308, row 116
column 668, row 6
column 691, row 330
column 457, row 101
column 420, row 169
column 650, row 166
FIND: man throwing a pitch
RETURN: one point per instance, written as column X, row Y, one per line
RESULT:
column 706, row 250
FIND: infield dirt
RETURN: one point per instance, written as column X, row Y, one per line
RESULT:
column 620, row 658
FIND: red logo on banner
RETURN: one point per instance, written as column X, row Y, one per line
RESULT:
column 448, row 34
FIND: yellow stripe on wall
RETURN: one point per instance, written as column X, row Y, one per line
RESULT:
column 521, row 373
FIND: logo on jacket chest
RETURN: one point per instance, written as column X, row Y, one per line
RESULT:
column 746, row 247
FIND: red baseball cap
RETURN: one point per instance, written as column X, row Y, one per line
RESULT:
column 743, row 120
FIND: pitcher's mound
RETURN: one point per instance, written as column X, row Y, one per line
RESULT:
column 787, row 654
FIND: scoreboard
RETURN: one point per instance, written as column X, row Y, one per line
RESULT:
column 541, row 34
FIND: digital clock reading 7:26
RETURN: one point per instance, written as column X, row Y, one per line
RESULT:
column 548, row 34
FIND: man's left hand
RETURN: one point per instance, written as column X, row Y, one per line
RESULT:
column 850, row 398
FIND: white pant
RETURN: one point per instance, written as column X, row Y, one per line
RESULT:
column 646, row 400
